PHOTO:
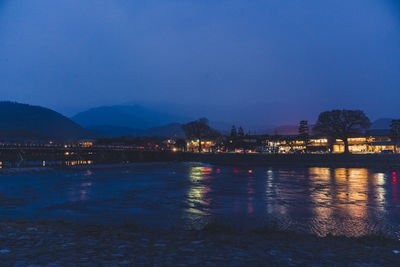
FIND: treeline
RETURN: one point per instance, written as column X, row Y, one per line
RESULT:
column 332, row 125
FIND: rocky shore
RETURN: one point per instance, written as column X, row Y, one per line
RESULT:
column 44, row 243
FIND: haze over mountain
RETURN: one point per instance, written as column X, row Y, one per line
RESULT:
column 168, row 130
column 383, row 123
column 243, row 62
column 379, row 124
column 22, row 120
column 138, row 120
column 130, row 116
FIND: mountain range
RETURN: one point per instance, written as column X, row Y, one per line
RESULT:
column 136, row 120
column 22, row 121
column 131, row 116
column 383, row 123
column 379, row 124
column 168, row 130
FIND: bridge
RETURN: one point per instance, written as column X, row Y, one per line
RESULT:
column 25, row 156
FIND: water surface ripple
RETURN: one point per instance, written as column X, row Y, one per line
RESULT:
column 350, row 202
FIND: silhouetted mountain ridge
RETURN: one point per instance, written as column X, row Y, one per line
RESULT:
column 128, row 116
column 168, row 130
column 22, row 120
column 383, row 123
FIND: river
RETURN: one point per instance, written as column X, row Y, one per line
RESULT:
column 343, row 201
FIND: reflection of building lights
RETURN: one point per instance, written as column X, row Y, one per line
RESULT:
column 235, row 171
column 250, row 171
column 250, row 208
column 207, row 169
column 197, row 195
column 78, row 162
column 218, row 170
column 380, row 177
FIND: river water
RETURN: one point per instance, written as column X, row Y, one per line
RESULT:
column 352, row 202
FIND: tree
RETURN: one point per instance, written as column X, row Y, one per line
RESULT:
column 197, row 129
column 240, row 132
column 233, row 131
column 304, row 132
column 276, row 138
column 341, row 124
column 395, row 132
column 181, row 144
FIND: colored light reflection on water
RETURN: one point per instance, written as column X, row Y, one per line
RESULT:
column 352, row 201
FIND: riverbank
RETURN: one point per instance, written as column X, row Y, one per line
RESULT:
column 86, row 158
column 379, row 161
column 44, row 243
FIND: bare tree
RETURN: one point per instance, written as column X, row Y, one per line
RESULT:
column 341, row 124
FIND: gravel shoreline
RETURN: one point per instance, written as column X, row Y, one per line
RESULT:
column 45, row 243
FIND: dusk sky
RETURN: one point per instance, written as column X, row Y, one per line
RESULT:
column 260, row 62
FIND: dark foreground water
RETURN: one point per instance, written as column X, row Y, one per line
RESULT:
column 342, row 201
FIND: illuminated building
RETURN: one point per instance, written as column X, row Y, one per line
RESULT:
column 86, row 143
column 207, row 145
column 376, row 141
column 291, row 144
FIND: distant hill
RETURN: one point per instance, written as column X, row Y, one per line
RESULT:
column 22, row 121
column 383, row 123
column 114, row 131
column 285, row 130
column 380, row 124
column 169, row 130
column 130, row 116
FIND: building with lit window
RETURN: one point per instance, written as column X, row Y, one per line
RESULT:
column 207, row 145
column 375, row 141
column 86, row 143
column 292, row 144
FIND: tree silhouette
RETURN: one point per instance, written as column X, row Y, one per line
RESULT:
column 181, row 144
column 341, row 124
column 233, row 131
column 240, row 132
column 304, row 132
column 197, row 129
column 395, row 132
column 276, row 138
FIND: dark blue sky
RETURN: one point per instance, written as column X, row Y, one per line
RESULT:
column 259, row 62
